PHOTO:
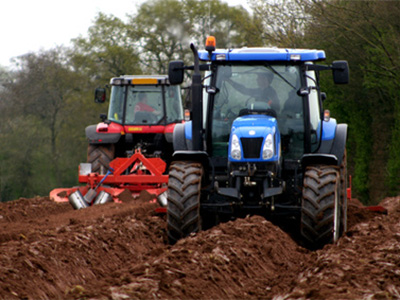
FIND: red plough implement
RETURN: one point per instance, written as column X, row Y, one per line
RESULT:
column 376, row 208
column 135, row 173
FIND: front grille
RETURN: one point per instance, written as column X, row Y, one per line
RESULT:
column 251, row 147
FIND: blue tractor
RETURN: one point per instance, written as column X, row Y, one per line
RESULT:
column 259, row 142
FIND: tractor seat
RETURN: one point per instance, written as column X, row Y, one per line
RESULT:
column 143, row 117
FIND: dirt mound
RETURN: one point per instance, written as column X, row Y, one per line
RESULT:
column 119, row 251
column 238, row 259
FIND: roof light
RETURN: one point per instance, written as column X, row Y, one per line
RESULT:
column 295, row 57
column 144, row 81
column 210, row 43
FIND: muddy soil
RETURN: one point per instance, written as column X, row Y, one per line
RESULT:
column 119, row 251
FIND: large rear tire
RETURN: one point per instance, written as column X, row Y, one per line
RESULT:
column 321, row 209
column 183, row 210
column 343, row 194
column 100, row 157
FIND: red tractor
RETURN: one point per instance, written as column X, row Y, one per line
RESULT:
column 132, row 147
column 142, row 114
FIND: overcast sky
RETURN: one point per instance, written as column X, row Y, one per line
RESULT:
column 33, row 25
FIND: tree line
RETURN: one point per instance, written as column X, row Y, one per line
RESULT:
column 46, row 98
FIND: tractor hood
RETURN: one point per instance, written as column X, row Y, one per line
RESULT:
column 254, row 138
column 254, row 126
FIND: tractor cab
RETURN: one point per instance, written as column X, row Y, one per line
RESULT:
column 252, row 90
column 144, row 100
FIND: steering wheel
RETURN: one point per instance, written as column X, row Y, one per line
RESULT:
column 257, row 104
column 249, row 100
column 230, row 114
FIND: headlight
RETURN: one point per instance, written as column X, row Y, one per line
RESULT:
column 268, row 149
column 236, row 153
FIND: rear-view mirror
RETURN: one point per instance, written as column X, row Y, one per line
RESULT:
column 175, row 72
column 340, row 71
column 100, row 95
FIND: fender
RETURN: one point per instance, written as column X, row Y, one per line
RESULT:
column 188, row 135
column 95, row 137
column 189, row 155
column 339, row 143
column 178, row 138
column 334, row 138
column 188, row 130
column 169, row 131
column 328, row 135
column 331, row 151
column 318, row 159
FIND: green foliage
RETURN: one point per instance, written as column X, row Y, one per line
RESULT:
column 42, row 99
column 108, row 51
column 161, row 32
column 393, row 163
column 164, row 29
column 280, row 23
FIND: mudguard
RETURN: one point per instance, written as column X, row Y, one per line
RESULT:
column 168, row 132
column 318, row 159
column 188, row 130
column 333, row 145
column 339, row 143
column 178, row 138
column 181, row 140
column 188, row 135
column 95, row 137
column 182, row 143
column 188, row 155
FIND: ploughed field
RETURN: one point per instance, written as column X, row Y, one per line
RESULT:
column 120, row 251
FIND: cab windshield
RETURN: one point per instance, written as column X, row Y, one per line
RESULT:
column 145, row 105
column 258, row 87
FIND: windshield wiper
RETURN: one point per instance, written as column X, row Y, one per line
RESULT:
column 277, row 73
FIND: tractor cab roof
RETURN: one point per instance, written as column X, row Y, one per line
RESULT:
column 263, row 54
column 140, row 80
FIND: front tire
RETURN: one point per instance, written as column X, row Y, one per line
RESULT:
column 183, row 210
column 321, row 209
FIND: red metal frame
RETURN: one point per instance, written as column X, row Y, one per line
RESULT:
column 135, row 173
column 118, row 128
column 376, row 208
